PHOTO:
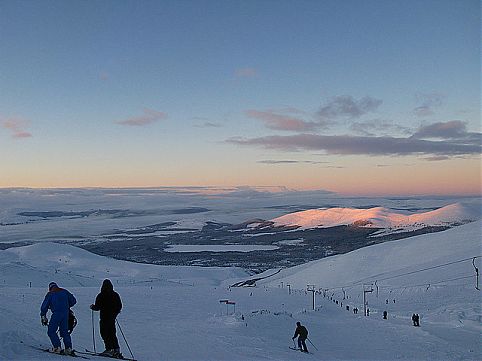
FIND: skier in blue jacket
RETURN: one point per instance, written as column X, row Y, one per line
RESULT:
column 59, row 301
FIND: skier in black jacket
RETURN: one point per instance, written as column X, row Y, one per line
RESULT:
column 109, row 304
column 302, row 334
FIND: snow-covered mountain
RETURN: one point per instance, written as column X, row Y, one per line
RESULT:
column 380, row 217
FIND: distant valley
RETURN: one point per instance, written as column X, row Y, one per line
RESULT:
column 252, row 229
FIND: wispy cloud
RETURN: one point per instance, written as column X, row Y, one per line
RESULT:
column 245, row 72
column 289, row 110
column 427, row 103
column 278, row 121
column 208, row 125
column 437, row 158
column 345, row 106
column 271, row 161
column 150, row 116
column 358, row 145
column 16, row 126
column 372, row 127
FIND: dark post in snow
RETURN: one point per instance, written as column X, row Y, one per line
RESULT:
column 234, row 306
column 226, row 302
column 344, row 293
column 311, row 288
column 476, row 274
column 289, row 288
column 364, row 298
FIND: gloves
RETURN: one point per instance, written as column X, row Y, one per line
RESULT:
column 92, row 307
column 44, row 320
column 292, row 338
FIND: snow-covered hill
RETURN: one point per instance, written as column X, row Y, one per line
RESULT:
column 174, row 313
column 380, row 217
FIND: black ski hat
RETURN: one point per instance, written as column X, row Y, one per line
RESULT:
column 52, row 285
column 107, row 286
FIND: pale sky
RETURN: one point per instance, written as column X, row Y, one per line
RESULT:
column 372, row 97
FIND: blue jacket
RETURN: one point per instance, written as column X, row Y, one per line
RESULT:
column 57, row 300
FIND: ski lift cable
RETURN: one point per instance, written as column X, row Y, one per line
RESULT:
column 426, row 283
column 392, row 288
column 359, row 282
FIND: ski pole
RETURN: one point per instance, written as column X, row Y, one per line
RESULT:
column 118, row 324
column 312, row 344
column 294, row 343
column 93, row 331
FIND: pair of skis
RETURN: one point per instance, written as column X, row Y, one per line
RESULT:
column 59, row 354
column 297, row 349
column 81, row 354
column 92, row 353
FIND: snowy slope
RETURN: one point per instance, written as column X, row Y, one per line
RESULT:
column 76, row 267
column 174, row 313
column 380, row 217
column 392, row 258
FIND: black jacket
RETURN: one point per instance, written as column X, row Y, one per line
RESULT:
column 302, row 331
column 108, row 301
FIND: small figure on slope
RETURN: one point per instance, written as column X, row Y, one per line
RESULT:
column 302, row 334
column 59, row 301
column 109, row 304
column 416, row 319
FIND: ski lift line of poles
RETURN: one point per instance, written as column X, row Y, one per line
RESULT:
column 361, row 281
column 425, row 284
column 389, row 288
column 420, row 270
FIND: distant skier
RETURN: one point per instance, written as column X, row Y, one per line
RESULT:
column 109, row 304
column 302, row 334
column 385, row 315
column 417, row 320
column 59, row 301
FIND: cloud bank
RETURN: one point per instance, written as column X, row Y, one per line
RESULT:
column 459, row 143
column 454, row 129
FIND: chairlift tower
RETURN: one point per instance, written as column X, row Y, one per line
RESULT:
column 365, row 291
column 311, row 288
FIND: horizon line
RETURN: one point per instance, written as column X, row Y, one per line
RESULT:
column 282, row 189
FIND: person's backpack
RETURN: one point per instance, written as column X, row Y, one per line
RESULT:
column 72, row 321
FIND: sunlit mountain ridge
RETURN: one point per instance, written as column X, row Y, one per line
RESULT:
column 380, row 217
